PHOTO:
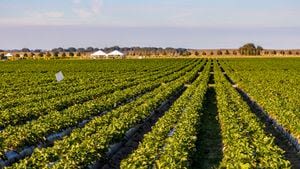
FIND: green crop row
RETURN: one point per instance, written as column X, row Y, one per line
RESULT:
column 275, row 86
column 35, row 131
column 21, row 114
column 72, row 84
column 245, row 144
column 158, row 147
column 38, row 81
column 86, row 145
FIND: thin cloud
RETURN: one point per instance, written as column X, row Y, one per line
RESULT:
column 82, row 13
column 45, row 15
column 54, row 14
column 36, row 18
column 96, row 6
column 93, row 8
column 76, row 1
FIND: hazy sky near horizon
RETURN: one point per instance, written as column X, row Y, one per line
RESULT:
column 162, row 23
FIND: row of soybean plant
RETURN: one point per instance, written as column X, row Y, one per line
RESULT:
column 42, row 73
column 274, row 85
column 173, row 137
column 74, row 82
column 245, row 144
column 88, row 144
column 22, row 114
column 17, row 137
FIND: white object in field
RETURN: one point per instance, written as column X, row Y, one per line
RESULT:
column 8, row 55
column 116, row 53
column 99, row 53
column 59, row 76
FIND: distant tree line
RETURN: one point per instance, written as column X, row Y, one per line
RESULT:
column 133, row 51
column 72, row 52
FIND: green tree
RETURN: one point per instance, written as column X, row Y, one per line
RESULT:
column 71, row 54
column 40, row 55
column 227, row 52
column 25, row 50
column 164, row 53
column 259, row 49
column 63, row 55
column 31, row 55
column 90, row 49
column 219, row 52
column 250, row 49
column 48, row 55
column 72, row 49
column 56, row 54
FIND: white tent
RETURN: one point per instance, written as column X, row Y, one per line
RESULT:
column 99, row 53
column 8, row 55
column 116, row 53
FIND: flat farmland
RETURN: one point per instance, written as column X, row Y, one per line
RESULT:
column 150, row 113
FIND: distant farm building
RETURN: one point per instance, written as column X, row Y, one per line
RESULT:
column 99, row 54
column 113, row 54
column 8, row 56
column 116, row 53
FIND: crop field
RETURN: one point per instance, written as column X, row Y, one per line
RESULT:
column 150, row 113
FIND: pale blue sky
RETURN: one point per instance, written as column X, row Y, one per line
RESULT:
column 176, row 23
